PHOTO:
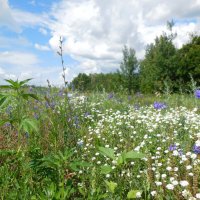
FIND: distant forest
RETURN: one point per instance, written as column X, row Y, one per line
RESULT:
column 164, row 67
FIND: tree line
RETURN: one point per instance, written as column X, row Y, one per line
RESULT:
column 164, row 67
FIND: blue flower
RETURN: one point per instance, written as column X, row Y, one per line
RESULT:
column 159, row 105
column 36, row 116
column 7, row 124
column 172, row 147
column 60, row 93
column 197, row 94
column 30, row 89
column 8, row 110
column 196, row 149
column 110, row 96
column 87, row 114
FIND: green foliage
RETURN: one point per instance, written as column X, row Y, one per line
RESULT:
column 106, row 169
column 97, row 82
column 107, row 152
column 157, row 66
column 128, row 68
column 111, row 186
column 122, row 159
column 163, row 65
column 187, row 61
column 29, row 125
column 16, row 94
column 132, row 194
column 44, row 166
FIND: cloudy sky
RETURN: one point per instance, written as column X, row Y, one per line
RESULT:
column 94, row 33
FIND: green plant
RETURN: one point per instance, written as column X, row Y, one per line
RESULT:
column 15, row 94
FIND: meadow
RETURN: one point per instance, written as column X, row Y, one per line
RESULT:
column 60, row 144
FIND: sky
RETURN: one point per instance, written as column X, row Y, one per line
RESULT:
column 93, row 32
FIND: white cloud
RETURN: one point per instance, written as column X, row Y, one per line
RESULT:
column 33, row 3
column 27, row 19
column 43, row 31
column 6, row 17
column 16, row 19
column 8, row 42
column 18, row 59
column 2, row 72
column 42, row 47
column 96, row 30
column 21, row 65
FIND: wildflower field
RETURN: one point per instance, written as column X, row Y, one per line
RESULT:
column 60, row 145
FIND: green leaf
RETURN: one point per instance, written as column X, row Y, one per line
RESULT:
column 111, row 186
column 120, row 160
column 29, row 125
column 134, row 155
column 7, row 152
column 107, row 152
column 14, row 84
column 76, row 165
column 5, row 87
column 4, row 100
column 2, row 122
column 132, row 194
column 21, row 83
column 27, row 95
column 106, row 169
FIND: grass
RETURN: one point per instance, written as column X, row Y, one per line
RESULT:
column 98, row 146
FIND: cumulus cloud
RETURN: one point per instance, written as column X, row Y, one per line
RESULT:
column 22, row 65
column 42, row 47
column 43, row 31
column 15, row 19
column 8, row 42
column 19, row 59
column 96, row 30
column 6, row 17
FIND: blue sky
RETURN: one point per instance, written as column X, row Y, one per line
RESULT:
column 94, row 33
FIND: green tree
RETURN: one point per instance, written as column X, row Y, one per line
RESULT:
column 187, row 61
column 157, row 66
column 82, row 82
column 128, row 68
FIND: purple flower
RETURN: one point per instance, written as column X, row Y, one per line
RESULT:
column 30, row 89
column 196, row 149
column 110, row 96
column 180, row 151
column 60, row 93
column 8, row 110
column 159, row 105
column 87, row 114
column 197, row 94
column 7, row 124
column 172, row 147
column 36, row 116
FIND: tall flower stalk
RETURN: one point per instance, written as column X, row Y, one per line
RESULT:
column 69, row 137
